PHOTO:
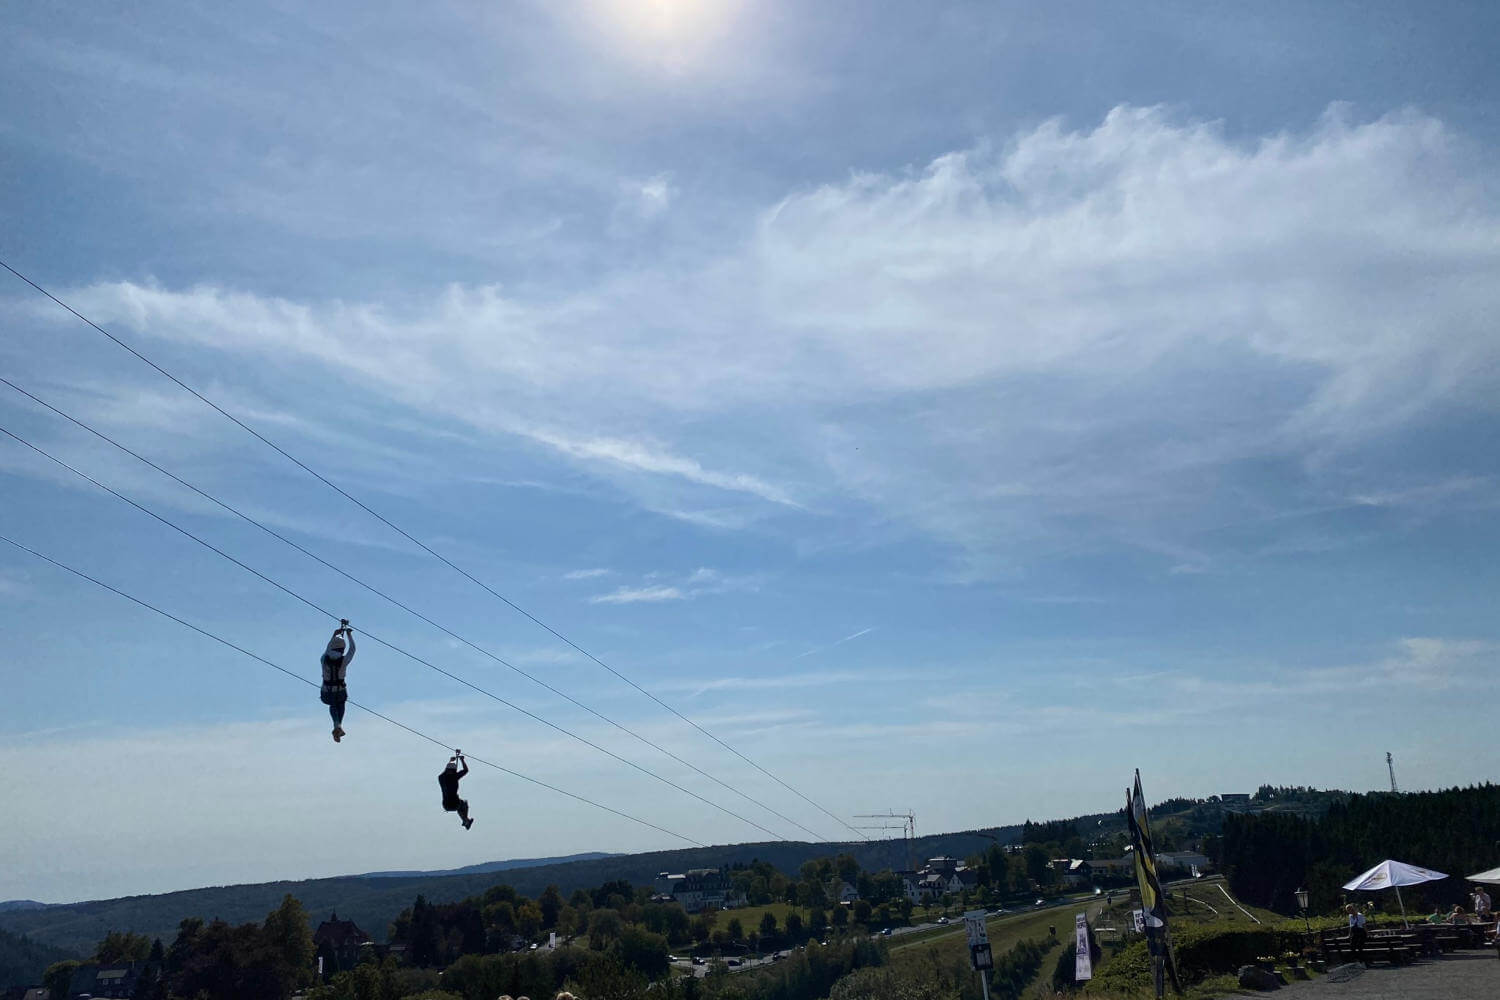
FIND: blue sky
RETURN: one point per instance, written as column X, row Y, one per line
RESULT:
column 950, row 406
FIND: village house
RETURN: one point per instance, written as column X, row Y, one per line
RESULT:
column 338, row 943
column 1072, row 871
column 1182, row 860
column 697, row 889
column 116, row 980
column 1103, row 868
column 942, row 876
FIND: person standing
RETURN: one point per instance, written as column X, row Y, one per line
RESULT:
column 335, row 662
column 1357, row 933
column 1481, row 903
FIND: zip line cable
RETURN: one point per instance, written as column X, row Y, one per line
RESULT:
column 409, row 610
column 365, row 708
column 422, row 545
column 390, row 645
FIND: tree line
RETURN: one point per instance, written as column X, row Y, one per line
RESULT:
column 1268, row 856
column 251, row 961
column 613, row 935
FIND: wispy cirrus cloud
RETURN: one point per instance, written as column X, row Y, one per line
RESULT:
column 839, row 642
column 777, row 682
column 699, row 583
column 641, row 595
column 1106, row 315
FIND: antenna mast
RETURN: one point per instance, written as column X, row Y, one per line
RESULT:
column 1389, row 766
column 908, row 828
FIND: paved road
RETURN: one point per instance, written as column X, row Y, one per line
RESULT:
column 1458, row 976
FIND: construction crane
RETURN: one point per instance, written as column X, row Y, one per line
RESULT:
column 1391, row 767
column 907, row 826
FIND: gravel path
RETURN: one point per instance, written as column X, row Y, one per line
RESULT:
column 1458, row 976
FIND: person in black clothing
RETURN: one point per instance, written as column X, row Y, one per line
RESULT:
column 448, row 782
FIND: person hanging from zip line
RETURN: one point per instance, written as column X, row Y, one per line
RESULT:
column 335, row 662
column 448, row 782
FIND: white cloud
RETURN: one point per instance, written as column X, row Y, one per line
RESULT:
column 780, row 682
column 15, row 584
column 587, row 574
column 638, row 595
column 642, row 202
column 1065, row 337
column 699, row 583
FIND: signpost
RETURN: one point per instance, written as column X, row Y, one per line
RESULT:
column 979, row 948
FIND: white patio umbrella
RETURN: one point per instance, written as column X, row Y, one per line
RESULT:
column 1491, row 877
column 1393, row 875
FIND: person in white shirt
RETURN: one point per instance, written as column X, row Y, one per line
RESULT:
column 1357, row 933
column 1481, row 902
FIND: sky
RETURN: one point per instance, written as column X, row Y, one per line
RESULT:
column 948, row 407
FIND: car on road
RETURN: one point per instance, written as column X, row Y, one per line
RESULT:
column 942, row 920
column 735, row 962
column 697, row 959
column 886, row 932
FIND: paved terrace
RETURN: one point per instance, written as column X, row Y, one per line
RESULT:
column 1458, row 976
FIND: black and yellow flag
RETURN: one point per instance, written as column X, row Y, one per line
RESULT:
column 1153, row 902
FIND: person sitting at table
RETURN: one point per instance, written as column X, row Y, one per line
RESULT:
column 1457, row 915
column 1437, row 916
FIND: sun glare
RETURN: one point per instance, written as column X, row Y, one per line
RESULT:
column 677, row 35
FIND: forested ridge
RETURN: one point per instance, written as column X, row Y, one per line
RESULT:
column 374, row 902
column 1268, row 856
column 22, row 960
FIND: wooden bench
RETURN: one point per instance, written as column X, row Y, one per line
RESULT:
column 1398, row 950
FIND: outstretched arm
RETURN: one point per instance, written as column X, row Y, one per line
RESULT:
column 463, row 767
column 348, row 645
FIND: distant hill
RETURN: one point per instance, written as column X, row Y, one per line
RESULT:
column 489, row 866
column 374, row 901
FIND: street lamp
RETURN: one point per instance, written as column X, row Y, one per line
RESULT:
column 1301, row 895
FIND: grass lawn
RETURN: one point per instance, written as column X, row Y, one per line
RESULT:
column 750, row 916
column 1004, row 932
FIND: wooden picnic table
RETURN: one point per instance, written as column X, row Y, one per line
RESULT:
column 1398, row 947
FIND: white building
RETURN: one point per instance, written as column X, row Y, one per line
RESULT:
column 697, row 889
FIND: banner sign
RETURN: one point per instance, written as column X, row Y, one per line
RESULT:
column 979, row 941
column 1083, row 961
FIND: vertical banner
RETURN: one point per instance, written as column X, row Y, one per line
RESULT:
column 1153, row 902
column 1138, row 921
column 1083, row 961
